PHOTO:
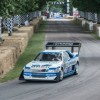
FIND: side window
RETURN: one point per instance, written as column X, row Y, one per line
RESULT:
column 70, row 55
column 66, row 56
column 38, row 57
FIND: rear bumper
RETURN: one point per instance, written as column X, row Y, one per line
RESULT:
column 40, row 76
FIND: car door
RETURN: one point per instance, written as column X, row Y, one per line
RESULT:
column 67, row 61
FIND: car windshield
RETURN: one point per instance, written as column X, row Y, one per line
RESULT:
column 49, row 56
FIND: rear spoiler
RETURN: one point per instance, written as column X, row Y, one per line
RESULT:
column 53, row 45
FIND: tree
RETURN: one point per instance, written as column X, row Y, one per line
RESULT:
column 7, row 8
column 87, row 5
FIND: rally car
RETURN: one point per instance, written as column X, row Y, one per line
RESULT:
column 53, row 64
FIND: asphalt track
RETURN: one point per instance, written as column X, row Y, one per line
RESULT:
column 85, row 86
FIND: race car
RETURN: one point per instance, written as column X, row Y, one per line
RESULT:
column 53, row 64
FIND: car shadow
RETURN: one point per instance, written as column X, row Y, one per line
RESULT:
column 36, row 82
column 44, row 82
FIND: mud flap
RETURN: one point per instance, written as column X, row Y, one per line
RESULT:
column 21, row 77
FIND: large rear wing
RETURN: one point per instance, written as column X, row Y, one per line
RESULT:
column 72, row 45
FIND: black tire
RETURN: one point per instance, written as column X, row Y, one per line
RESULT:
column 21, row 77
column 59, row 77
column 76, row 69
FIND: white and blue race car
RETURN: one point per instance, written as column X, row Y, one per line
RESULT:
column 53, row 64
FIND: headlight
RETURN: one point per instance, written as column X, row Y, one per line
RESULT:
column 53, row 70
column 27, row 69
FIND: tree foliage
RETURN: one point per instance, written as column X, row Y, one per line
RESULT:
column 9, row 8
column 87, row 5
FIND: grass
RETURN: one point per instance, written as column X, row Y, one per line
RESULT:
column 95, row 35
column 34, row 46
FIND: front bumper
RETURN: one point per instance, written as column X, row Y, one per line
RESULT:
column 40, row 76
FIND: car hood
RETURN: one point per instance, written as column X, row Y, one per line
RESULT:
column 46, row 64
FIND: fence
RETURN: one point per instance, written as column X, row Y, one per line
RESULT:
column 18, row 20
column 90, row 16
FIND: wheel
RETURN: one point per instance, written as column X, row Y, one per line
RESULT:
column 60, row 76
column 76, row 69
column 21, row 77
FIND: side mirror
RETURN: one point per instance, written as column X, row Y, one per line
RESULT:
column 77, row 55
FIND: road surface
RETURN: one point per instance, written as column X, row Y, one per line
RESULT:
column 85, row 86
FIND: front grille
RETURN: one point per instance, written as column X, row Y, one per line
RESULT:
column 36, row 66
column 43, row 70
column 39, row 70
column 38, row 76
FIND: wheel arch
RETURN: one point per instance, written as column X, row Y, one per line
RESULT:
column 62, row 68
column 77, row 62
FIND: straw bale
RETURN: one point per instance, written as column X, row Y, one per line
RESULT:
column 18, row 42
column 29, row 30
column 6, row 61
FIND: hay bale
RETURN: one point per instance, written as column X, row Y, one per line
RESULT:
column 22, row 35
column 35, row 23
column 13, row 50
column 29, row 30
column 87, row 25
column 78, row 20
column 95, row 28
column 70, row 17
column 40, row 19
column 6, row 61
column 13, row 41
